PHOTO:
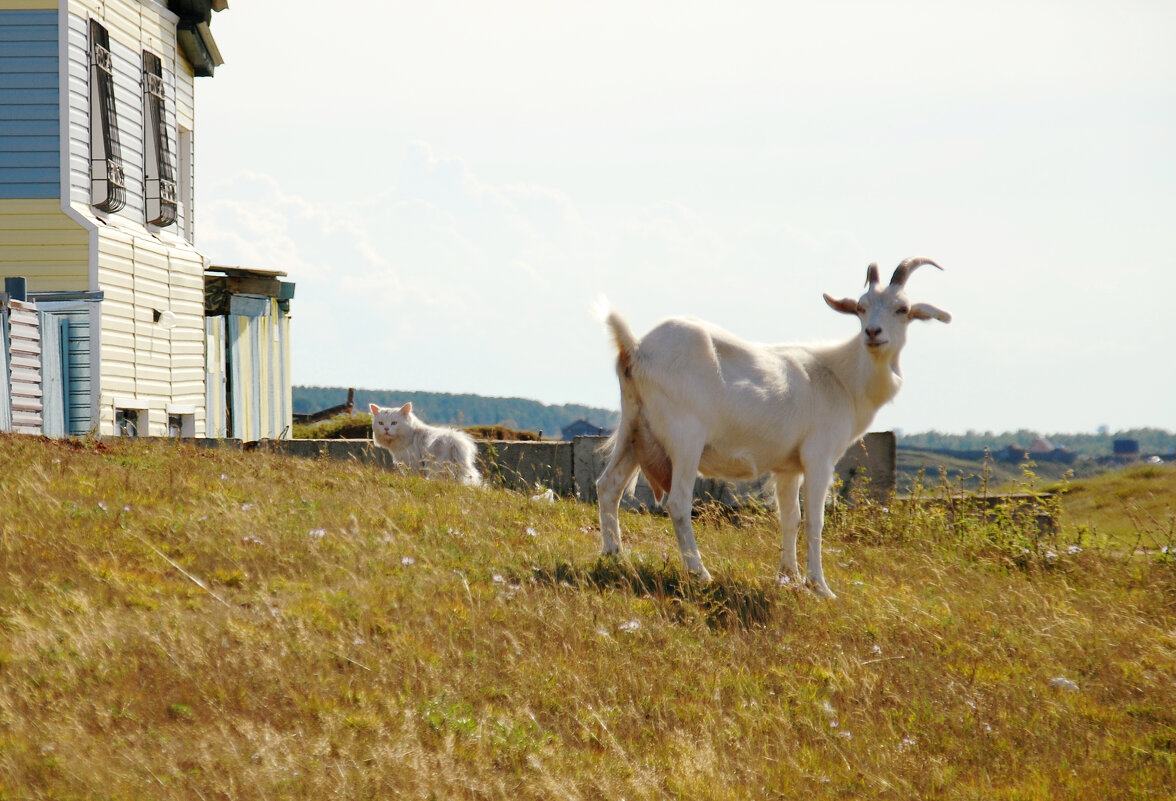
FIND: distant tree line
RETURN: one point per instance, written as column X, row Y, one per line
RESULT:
column 1151, row 441
column 461, row 410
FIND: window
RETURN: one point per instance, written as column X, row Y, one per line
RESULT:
column 160, row 184
column 181, row 421
column 126, row 422
column 108, row 186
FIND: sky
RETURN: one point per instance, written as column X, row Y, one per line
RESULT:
column 452, row 184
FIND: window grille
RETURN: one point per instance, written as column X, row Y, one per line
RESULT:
column 160, row 184
column 108, row 186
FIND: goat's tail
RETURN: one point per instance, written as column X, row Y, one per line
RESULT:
column 622, row 334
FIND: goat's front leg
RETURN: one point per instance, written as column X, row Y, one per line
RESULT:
column 816, row 487
column 788, row 510
column 609, row 489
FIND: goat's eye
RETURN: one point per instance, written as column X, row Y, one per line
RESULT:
column 901, row 310
column 861, row 309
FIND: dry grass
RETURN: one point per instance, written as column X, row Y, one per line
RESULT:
column 176, row 623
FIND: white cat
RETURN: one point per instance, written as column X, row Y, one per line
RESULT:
column 435, row 451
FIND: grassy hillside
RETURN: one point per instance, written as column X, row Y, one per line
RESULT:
column 1134, row 507
column 931, row 468
column 176, row 623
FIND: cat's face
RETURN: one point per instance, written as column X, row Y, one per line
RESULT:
column 391, row 427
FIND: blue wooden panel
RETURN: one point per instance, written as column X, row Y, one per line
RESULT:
column 45, row 129
column 26, row 50
column 79, row 410
column 11, row 32
column 30, row 97
column 27, row 80
column 14, row 112
column 29, row 17
column 27, row 143
column 19, row 159
column 27, row 64
column 27, row 175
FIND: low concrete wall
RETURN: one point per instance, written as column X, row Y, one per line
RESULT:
column 571, row 468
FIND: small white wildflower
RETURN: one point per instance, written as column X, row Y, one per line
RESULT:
column 876, row 650
column 357, row 641
column 245, row 507
column 1050, row 556
column 317, row 533
column 845, row 735
column 497, row 579
column 905, row 743
column 127, row 508
column 224, row 477
column 1063, row 683
column 532, row 532
column 251, row 540
column 784, row 580
column 885, row 510
column 630, row 625
column 1074, row 550
column 828, row 709
column 407, row 560
column 454, row 532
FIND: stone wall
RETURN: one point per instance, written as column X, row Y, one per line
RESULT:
column 571, row 468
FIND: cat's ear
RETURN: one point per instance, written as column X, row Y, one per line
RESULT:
column 374, row 408
column 406, row 408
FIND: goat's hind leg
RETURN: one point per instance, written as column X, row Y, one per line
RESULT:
column 617, row 475
column 680, row 502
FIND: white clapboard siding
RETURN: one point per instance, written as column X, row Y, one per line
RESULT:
column 24, row 365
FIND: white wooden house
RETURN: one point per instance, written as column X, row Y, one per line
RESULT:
column 96, row 185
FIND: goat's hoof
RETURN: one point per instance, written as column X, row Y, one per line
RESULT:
column 822, row 590
column 702, row 575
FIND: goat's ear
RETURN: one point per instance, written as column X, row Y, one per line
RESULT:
column 373, row 407
column 845, row 305
column 925, row 311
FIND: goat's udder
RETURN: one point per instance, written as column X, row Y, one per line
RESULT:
column 654, row 461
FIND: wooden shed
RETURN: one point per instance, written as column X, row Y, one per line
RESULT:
column 247, row 333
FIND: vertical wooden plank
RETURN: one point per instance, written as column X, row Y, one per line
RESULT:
column 52, row 377
column 254, row 377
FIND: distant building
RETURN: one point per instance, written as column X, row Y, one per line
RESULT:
column 1126, row 450
column 582, row 428
column 1042, row 450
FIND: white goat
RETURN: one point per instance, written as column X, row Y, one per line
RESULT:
column 697, row 399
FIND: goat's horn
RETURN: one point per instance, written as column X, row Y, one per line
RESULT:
column 906, row 267
column 872, row 274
